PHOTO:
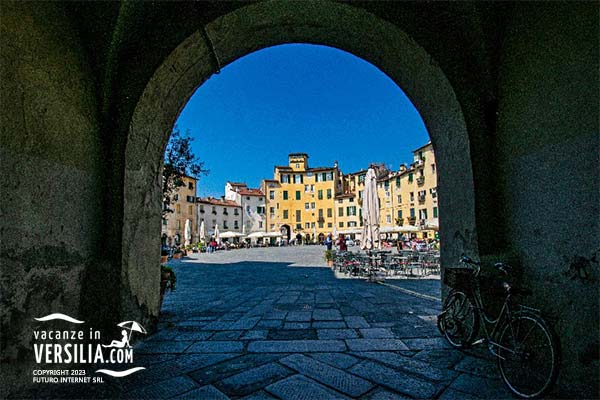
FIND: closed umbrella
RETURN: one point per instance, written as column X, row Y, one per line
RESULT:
column 370, row 213
column 187, row 233
column 217, row 238
column 202, row 233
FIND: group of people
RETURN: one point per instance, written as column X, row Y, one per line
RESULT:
column 340, row 242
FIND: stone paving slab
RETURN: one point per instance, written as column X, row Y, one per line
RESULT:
column 427, row 343
column 482, row 387
column 396, row 380
column 253, row 379
column 232, row 366
column 375, row 344
column 339, row 360
column 327, row 315
column 207, row 392
column 329, row 325
column 324, row 334
column 376, row 333
column 411, row 366
column 344, row 382
column 296, row 346
column 216, row 347
column 356, row 322
column 382, row 394
column 299, row 387
column 165, row 389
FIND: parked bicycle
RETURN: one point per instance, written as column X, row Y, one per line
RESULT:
column 526, row 348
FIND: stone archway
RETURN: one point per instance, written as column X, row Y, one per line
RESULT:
column 255, row 27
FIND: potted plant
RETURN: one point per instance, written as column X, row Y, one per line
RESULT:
column 164, row 256
column 168, row 279
column 178, row 254
column 329, row 257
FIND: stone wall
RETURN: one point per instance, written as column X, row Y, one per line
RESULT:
column 548, row 139
column 50, row 154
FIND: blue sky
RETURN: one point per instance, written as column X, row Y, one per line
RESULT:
column 298, row 98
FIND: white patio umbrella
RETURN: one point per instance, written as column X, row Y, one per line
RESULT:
column 408, row 229
column 254, row 235
column 229, row 234
column 217, row 236
column 187, row 233
column 370, row 213
column 273, row 234
column 202, row 232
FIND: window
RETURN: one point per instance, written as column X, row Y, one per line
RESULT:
column 410, row 177
column 175, row 197
column 178, row 208
column 225, row 225
column 297, row 178
column 298, row 226
column 341, row 224
column 352, row 224
column 298, row 215
column 309, row 174
column 398, row 182
column 329, row 213
column 412, row 197
column 319, row 177
column 248, row 198
column 236, row 225
column 285, row 214
column 285, row 179
column 433, row 192
column 307, row 206
column 190, row 185
column 306, row 188
column 272, row 227
column 271, row 195
column 412, row 212
column 297, row 195
column 225, row 211
column 236, row 211
column 190, row 199
column 202, row 209
column 361, row 179
column 350, row 211
column 388, row 218
column 297, row 166
column 190, row 209
column 178, row 224
column 330, row 176
column 285, row 194
column 399, row 198
column 164, row 221
column 320, row 213
column 433, row 168
column 341, row 212
column 320, row 224
column 260, row 209
column 260, row 224
column 360, row 193
column 399, row 214
column 320, row 194
column 247, row 208
column 386, row 184
column 329, row 225
column 435, row 212
column 423, row 214
column 328, row 193
column 307, row 225
column 351, row 199
column 323, row 176
column 312, row 205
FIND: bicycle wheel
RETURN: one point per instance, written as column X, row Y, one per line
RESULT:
column 528, row 355
column 459, row 321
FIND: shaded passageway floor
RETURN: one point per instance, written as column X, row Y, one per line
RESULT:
column 276, row 323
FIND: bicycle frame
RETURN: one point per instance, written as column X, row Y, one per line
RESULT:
column 506, row 314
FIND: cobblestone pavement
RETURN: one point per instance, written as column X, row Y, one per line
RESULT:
column 276, row 323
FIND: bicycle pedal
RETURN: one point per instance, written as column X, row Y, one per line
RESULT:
column 479, row 341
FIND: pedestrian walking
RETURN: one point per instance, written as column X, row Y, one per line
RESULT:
column 329, row 241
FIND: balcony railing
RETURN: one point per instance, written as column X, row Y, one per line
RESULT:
column 420, row 180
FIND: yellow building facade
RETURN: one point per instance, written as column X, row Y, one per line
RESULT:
column 300, row 199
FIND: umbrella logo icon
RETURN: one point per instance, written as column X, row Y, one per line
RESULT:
column 128, row 327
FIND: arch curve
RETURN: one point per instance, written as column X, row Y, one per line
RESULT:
column 249, row 29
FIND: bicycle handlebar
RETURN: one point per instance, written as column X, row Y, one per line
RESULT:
column 501, row 267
